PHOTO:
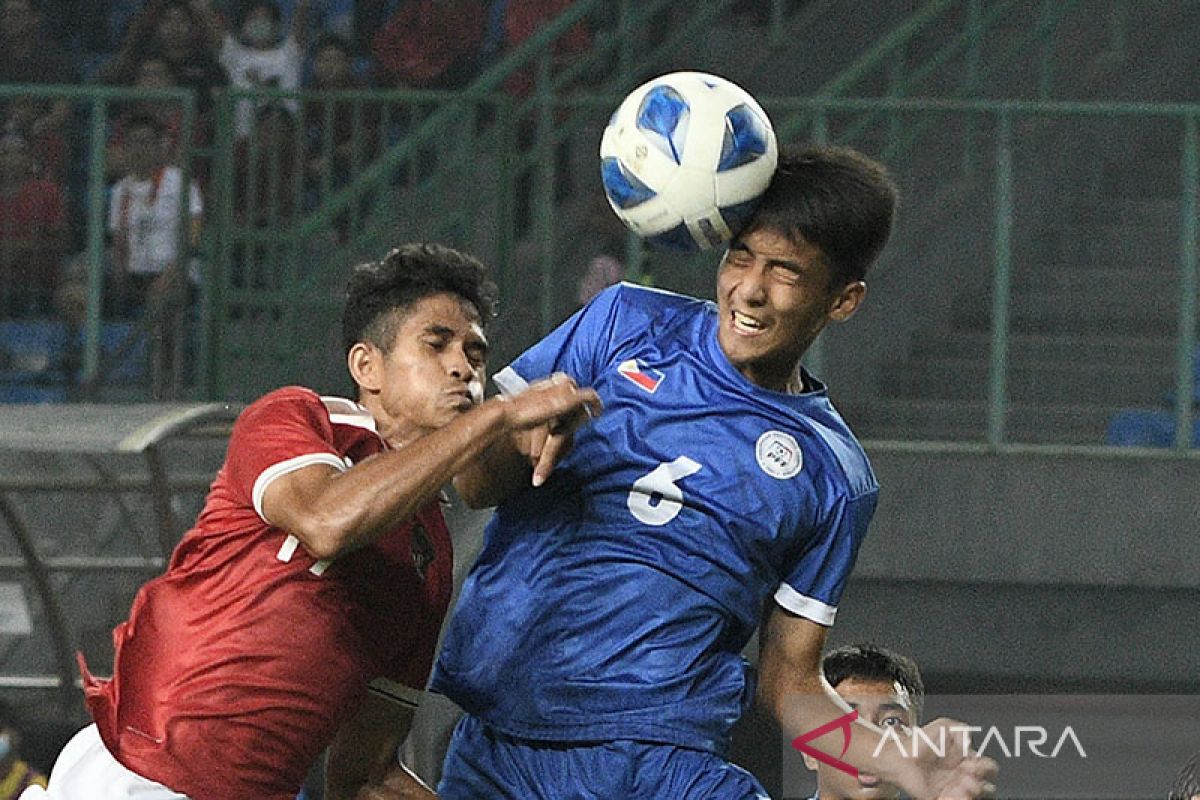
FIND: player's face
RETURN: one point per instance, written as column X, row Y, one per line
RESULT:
column 884, row 704
column 434, row 371
column 774, row 296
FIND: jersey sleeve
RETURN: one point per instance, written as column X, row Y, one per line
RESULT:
column 579, row 347
column 814, row 586
column 280, row 433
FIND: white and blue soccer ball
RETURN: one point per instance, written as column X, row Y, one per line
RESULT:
column 685, row 159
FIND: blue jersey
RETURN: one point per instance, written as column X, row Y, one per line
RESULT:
column 614, row 601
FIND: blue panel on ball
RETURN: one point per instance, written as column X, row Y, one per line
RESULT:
column 745, row 138
column 677, row 238
column 623, row 189
column 737, row 215
column 664, row 113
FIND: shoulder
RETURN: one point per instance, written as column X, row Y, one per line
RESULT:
column 842, row 450
column 644, row 305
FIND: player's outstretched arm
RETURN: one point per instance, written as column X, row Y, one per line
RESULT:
column 792, row 688
column 526, row 458
column 331, row 512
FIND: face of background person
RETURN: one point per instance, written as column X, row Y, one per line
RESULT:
column 433, row 372
column 331, row 66
column 154, row 73
column 773, row 297
column 886, row 704
column 144, row 147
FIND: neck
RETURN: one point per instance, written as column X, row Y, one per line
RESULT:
column 394, row 432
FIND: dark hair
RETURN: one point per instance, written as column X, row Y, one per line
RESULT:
column 332, row 40
column 161, row 59
column 246, row 8
column 835, row 198
column 142, row 120
column 1187, row 782
column 404, row 276
column 869, row 662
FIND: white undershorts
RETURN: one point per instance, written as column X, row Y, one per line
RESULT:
column 85, row 770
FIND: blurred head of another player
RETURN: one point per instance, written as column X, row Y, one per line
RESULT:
column 1187, row 782
column 413, row 328
column 886, row 690
column 802, row 259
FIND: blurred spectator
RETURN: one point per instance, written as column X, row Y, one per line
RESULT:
column 154, row 274
column 172, row 30
column 27, row 56
column 153, row 72
column 601, row 244
column 330, row 149
column 32, row 229
column 334, row 17
column 430, row 44
column 1154, row 427
column 511, row 23
column 521, row 19
column 265, row 169
column 144, row 216
column 256, row 54
column 15, row 774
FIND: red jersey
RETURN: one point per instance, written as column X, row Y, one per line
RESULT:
column 237, row 666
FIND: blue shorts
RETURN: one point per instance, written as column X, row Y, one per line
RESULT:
column 484, row 763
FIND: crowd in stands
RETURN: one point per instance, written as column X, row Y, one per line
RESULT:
column 206, row 46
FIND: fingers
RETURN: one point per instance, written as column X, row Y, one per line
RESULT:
column 555, row 447
column 972, row 779
column 556, row 398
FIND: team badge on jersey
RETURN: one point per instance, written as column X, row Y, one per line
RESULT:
column 645, row 377
column 778, row 455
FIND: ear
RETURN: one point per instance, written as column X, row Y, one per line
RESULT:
column 809, row 762
column 847, row 301
column 365, row 362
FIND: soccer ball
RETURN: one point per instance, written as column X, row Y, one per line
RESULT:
column 685, row 158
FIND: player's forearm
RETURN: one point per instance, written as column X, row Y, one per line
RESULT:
column 364, row 750
column 375, row 496
column 802, row 709
column 501, row 471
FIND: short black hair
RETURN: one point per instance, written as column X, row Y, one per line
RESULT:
column 403, row 277
column 332, row 40
column 833, row 197
column 870, row 662
column 245, row 8
column 1187, row 782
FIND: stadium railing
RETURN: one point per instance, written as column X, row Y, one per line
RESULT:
column 452, row 166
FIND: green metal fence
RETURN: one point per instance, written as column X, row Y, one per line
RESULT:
column 342, row 176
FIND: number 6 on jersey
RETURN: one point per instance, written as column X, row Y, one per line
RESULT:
column 654, row 498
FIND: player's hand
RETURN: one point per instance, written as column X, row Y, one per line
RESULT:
column 959, row 774
column 399, row 784
column 551, row 410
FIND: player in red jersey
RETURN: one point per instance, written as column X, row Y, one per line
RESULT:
column 303, row 608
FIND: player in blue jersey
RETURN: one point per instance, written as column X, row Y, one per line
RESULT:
column 596, row 646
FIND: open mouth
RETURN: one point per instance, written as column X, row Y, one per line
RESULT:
column 867, row 780
column 744, row 323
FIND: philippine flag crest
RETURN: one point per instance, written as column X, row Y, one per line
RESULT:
column 645, row 377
